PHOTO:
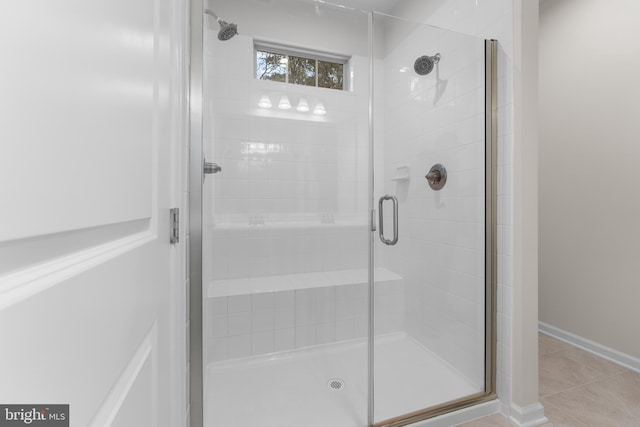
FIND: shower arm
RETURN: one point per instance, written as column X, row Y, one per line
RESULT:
column 212, row 13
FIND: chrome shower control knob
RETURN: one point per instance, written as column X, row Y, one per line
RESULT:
column 433, row 177
column 437, row 177
column 212, row 168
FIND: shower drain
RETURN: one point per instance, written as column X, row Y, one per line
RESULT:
column 335, row 384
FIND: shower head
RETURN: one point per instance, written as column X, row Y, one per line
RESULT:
column 424, row 65
column 226, row 30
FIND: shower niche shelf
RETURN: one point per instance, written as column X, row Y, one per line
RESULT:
column 403, row 173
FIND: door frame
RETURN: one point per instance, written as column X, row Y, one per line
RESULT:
column 195, row 391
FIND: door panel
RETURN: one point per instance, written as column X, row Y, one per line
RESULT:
column 90, row 115
column 76, row 103
column 136, row 385
column 429, row 322
column 285, row 222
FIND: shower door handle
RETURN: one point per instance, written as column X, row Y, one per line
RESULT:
column 394, row 201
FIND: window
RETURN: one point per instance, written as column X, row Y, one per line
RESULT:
column 301, row 67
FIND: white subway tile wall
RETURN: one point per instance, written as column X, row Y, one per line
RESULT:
column 438, row 118
column 282, row 164
column 267, row 322
column 493, row 19
column 243, row 251
column 291, row 198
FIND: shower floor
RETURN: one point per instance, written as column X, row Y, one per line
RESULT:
column 291, row 389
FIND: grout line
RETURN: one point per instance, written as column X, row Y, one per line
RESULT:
column 569, row 389
column 552, row 397
column 583, row 384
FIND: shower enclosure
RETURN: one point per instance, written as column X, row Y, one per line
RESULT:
column 342, row 217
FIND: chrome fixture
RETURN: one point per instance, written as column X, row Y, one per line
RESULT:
column 424, row 65
column 441, row 86
column 211, row 168
column 335, row 384
column 437, row 177
column 226, row 30
column 381, row 219
column 174, row 225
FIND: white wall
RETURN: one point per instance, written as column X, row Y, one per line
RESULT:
column 589, row 151
column 284, row 164
column 299, row 23
column 525, row 408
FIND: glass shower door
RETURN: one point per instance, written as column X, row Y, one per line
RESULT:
column 429, row 346
column 285, row 224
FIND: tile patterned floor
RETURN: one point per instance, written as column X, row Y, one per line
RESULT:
column 578, row 389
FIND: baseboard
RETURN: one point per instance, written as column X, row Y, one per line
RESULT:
column 600, row 350
column 529, row 416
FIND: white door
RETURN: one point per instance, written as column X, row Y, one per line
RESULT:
column 90, row 117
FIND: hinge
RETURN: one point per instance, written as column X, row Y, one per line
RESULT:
column 174, row 225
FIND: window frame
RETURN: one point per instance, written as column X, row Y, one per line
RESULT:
column 280, row 49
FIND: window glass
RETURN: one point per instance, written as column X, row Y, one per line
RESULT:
column 292, row 67
column 302, row 71
column 330, row 75
column 271, row 66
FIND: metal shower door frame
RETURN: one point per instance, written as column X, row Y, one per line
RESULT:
column 195, row 389
column 491, row 256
